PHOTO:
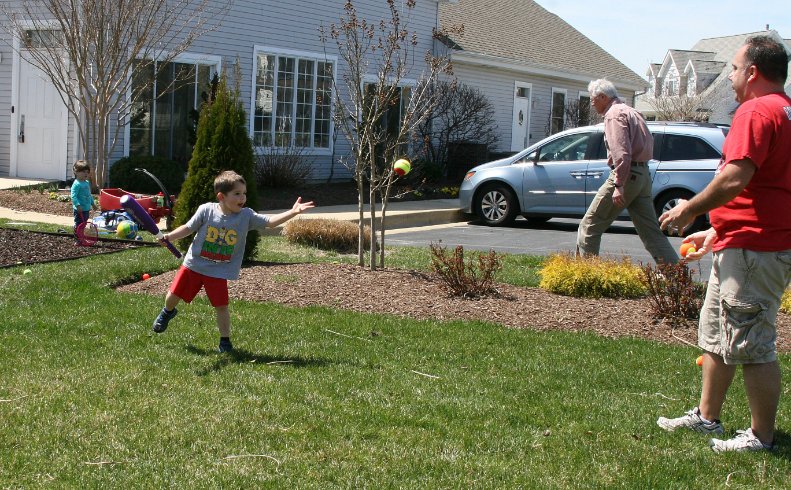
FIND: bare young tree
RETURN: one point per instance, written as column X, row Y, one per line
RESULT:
column 462, row 113
column 90, row 50
column 679, row 108
column 380, row 112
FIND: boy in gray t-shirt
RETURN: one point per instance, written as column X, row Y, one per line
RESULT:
column 217, row 250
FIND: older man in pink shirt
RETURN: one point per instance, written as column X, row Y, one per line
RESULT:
column 629, row 147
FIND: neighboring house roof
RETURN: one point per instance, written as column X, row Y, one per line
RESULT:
column 497, row 30
column 724, row 47
column 704, row 67
column 711, row 60
column 653, row 70
column 679, row 58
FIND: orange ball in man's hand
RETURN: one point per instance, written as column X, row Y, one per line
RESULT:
column 687, row 248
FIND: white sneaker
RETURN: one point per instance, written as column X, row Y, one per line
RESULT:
column 691, row 420
column 744, row 440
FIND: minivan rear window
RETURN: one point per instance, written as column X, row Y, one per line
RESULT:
column 682, row 147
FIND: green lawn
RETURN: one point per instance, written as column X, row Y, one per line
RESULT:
column 91, row 398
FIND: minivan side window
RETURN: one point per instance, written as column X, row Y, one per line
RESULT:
column 680, row 147
column 568, row 148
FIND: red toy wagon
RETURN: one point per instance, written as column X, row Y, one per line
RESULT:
column 157, row 206
column 110, row 200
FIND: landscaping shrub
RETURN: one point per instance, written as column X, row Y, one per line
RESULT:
column 470, row 279
column 326, row 234
column 592, row 277
column 281, row 167
column 124, row 175
column 673, row 293
column 222, row 144
column 785, row 304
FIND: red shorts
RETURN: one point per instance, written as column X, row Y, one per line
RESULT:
column 188, row 283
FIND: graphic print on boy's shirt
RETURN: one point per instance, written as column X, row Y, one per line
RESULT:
column 219, row 244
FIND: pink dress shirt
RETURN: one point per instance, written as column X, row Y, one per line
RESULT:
column 628, row 139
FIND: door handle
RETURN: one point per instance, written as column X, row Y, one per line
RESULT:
column 21, row 136
column 595, row 175
column 578, row 175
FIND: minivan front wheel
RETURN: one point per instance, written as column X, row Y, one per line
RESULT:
column 669, row 200
column 496, row 205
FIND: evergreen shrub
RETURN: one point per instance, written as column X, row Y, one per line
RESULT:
column 592, row 277
column 222, row 144
column 785, row 304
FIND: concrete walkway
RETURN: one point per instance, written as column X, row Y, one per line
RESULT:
column 400, row 215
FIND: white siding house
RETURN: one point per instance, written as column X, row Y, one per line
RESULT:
column 274, row 42
column 529, row 63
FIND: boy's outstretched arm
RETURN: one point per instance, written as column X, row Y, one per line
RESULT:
column 177, row 234
column 298, row 208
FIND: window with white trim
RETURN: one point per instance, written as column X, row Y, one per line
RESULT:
column 584, row 109
column 164, row 125
column 393, row 117
column 558, row 111
column 292, row 100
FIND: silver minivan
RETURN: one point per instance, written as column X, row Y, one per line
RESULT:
column 560, row 175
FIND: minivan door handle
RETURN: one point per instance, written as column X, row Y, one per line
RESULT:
column 21, row 136
column 578, row 175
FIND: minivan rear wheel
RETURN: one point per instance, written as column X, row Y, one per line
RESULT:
column 496, row 205
column 669, row 200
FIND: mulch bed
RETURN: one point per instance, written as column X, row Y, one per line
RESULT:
column 22, row 247
column 359, row 289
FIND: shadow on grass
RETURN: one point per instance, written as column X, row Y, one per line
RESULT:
column 782, row 445
column 241, row 356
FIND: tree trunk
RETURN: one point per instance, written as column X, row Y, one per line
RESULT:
column 372, row 207
column 361, row 219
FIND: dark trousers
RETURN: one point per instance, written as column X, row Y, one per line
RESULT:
column 80, row 217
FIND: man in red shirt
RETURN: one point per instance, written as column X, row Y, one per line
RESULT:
column 748, row 203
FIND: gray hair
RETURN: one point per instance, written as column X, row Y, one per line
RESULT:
column 602, row 86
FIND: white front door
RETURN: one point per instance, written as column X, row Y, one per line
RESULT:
column 41, row 121
column 520, row 129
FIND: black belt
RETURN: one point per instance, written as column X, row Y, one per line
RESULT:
column 634, row 164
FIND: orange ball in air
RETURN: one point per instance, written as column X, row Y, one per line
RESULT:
column 699, row 361
column 687, row 248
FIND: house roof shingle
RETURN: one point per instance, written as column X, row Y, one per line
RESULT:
column 523, row 31
column 707, row 67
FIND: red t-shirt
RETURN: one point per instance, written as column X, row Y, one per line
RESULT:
column 759, row 218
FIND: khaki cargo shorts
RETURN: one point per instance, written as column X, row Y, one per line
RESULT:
column 737, row 321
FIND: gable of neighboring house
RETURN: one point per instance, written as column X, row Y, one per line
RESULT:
column 672, row 73
column 532, row 66
column 705, row 75
column 700, row 74
column 654, row 81
column 286, row 84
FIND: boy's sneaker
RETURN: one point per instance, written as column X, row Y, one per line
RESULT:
column 744, row 440
column 161, row 323
column 691, row 420
column 226, row 346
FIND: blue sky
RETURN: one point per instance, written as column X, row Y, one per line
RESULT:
column 641, row 32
